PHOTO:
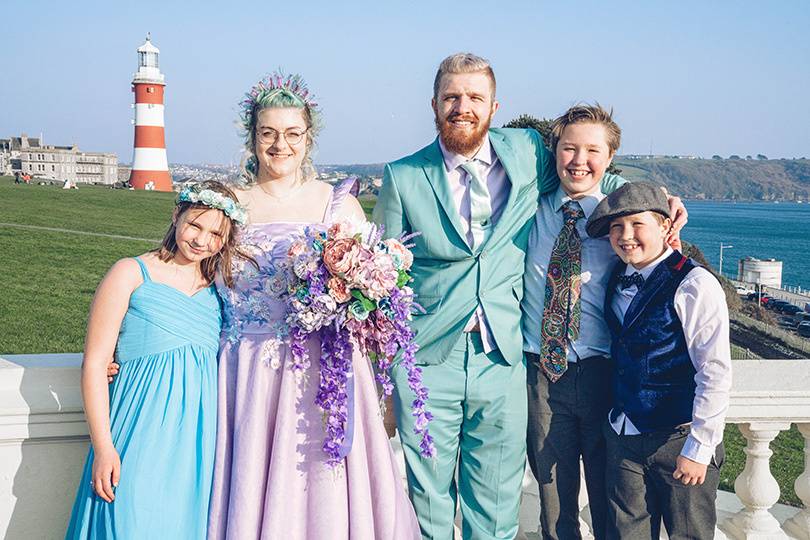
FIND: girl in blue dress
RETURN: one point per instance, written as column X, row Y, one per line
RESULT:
column 149, row 469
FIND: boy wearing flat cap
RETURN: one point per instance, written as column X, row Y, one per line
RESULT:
column 668, row 322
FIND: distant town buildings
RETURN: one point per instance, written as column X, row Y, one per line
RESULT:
column 182, row 173
column 29, row 155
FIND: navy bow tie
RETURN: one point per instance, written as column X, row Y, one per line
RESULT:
column 633, row 279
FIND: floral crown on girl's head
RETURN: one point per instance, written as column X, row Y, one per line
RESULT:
column 275, row 83
column 195, row 194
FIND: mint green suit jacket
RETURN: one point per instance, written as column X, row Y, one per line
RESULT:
column 450, row 279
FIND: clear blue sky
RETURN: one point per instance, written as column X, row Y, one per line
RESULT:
column 688, row 77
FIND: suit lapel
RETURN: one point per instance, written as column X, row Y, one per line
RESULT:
column 433, row 167
column 649, row 290
column 506, row 156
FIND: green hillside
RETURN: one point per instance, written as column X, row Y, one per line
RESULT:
column 736, row 179
column 733, row 179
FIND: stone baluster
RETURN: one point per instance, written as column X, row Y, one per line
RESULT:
column 799, row 525
column 756, row 487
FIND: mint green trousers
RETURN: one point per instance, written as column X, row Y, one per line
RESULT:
column 479, row 407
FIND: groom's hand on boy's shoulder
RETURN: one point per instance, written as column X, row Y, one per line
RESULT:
column 690, row 473
column 112, row 370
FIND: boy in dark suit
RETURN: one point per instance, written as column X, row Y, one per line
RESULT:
column 672, row 374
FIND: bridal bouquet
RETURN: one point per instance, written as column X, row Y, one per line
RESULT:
column 352, row 286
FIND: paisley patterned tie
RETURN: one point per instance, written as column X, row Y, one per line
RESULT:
column 480, row 204
column 561, row 312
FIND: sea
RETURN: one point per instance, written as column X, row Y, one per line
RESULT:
column 765, row 230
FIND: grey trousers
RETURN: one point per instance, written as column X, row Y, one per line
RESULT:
column 565, row 422
column 642, row 491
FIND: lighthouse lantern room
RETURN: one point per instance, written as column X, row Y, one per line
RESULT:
column 150, row 168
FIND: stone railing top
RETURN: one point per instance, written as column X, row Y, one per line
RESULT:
column 762, row 389
column 39, row 384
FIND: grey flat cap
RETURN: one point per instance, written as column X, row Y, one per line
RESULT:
column 631, row 198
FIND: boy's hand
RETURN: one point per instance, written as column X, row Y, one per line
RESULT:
column 690, row 473
column 112, row 371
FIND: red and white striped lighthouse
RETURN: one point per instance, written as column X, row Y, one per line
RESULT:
column 150, row 168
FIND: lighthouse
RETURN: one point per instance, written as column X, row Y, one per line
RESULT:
column 150, row 168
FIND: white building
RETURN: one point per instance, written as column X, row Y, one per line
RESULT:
column 766, row 272
column 29, row 155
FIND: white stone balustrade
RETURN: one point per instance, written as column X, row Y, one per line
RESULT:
column 43, row 443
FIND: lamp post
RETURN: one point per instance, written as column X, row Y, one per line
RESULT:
column 722, row 247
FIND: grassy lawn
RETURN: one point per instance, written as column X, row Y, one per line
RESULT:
column 143, row 214
column 48, row 280
column 49, row 277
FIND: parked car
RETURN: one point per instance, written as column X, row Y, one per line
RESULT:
column 784, row 308
column 778, row 305
column 803, row 329
column 764, row 299
column 799, row 318
column 787, row 322
column 791, row 310
column 742, row 290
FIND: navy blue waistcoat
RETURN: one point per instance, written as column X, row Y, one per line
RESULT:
column 653, row 377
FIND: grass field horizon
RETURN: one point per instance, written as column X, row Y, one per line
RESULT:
column 49, row 277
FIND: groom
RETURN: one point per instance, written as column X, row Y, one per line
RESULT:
column 472, row 194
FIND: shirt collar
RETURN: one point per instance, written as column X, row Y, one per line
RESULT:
column 452, row 160
column 647, row 270
column 588, row 203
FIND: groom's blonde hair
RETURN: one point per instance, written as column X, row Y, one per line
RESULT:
column 463, row 63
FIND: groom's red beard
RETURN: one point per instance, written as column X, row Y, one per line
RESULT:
column 461, row 141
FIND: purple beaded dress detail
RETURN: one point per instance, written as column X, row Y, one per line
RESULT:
column 271, row 479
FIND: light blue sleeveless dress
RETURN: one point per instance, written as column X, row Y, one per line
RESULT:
column 163, row 408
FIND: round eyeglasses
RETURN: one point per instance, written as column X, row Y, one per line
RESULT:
column 270, row 136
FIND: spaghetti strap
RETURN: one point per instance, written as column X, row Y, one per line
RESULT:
column 348, row 186
column 144, row 271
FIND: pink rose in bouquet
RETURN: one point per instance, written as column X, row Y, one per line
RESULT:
column 340, row 255
column 341, row 229
column 339, row 289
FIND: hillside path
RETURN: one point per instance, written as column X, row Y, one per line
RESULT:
column 71, row 231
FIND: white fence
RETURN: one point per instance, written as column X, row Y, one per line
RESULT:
column 43, row 442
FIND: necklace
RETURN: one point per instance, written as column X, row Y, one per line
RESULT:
column 280, row 198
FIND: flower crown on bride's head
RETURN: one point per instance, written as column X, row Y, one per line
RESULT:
column 196, row 194
column 275, row 85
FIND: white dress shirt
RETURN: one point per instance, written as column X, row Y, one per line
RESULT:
column 701, row 306
column 499, row 186
column 597, row 260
